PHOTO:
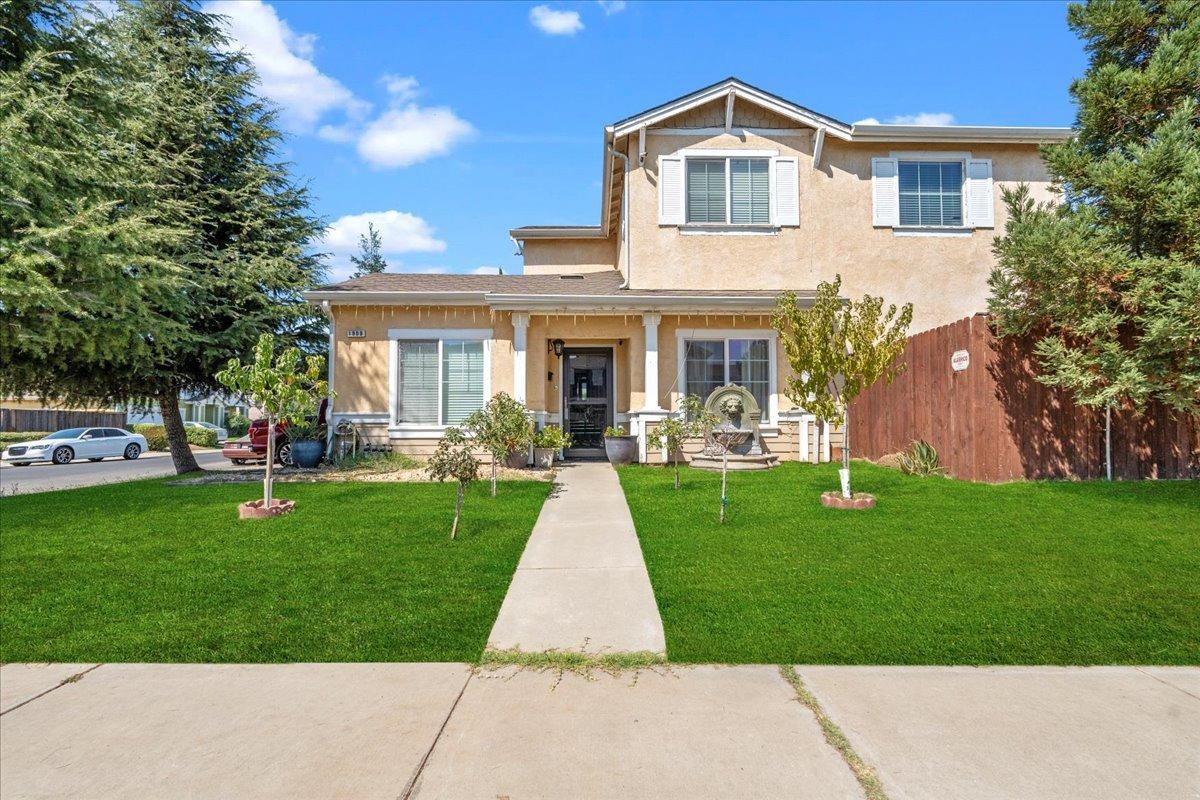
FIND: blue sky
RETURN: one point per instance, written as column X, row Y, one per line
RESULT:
column 449, row 124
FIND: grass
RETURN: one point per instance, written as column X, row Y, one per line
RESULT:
column 358, row 572
column 941, row 572
column 16, row 437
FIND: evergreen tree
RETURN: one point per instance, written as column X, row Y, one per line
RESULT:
column 230, row 229
column 1108, row 279
column 370, row 258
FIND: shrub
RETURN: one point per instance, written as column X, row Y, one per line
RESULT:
column 237, row 426
column 454, row 459
column 612, row 430
column 921, row 459
column 16, row 437
column 552, row 437
column 156, row 435
column 692, row 421
column 200, row 437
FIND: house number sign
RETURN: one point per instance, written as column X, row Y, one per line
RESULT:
column 960, row 360
column 356, row 333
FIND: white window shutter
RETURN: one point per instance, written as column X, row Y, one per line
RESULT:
column 885, row 192
column 786, row 192
column 670, row 190
column 981, row 212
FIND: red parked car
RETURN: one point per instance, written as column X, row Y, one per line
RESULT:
column 253, row 446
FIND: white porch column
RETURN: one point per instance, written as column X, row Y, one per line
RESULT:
column 650, row 321
column 520, row 323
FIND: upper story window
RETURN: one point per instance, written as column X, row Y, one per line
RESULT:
column 729, row 191
column 931, row 193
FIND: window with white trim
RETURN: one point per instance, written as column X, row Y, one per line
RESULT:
column 931, row 193
column 712, row 363
column 439, row 381
column 728, row 191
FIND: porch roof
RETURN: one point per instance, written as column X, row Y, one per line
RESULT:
column 597, row 292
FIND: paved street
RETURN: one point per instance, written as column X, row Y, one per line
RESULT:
column 442, row 730
column 45, row 477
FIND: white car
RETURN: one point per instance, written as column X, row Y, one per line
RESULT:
column 63, row 447
column 222, row 434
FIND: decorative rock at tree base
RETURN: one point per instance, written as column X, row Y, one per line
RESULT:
column 859, row 500
column 255, row 510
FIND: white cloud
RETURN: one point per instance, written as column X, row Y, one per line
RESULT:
column 611, row 7
column 399, row 232
column 935, row 118
column 283, row 60
column 402, row 88
column 487, row 271
column 401, row 137
column 555, row 23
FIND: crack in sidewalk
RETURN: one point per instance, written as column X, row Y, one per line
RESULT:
column 863, row 772
column 411, row 786
column 69, row 679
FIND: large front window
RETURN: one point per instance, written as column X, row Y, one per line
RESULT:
column 439, row 381
column 729, row 191
column 711, row 363
column 931, row 193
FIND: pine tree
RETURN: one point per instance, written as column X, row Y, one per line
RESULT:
column 370, row 258
column 230, row 229
column 1108, row 279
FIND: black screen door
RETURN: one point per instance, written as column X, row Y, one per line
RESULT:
column 587, row 398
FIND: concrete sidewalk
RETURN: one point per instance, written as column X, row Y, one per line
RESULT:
column 440, row 730
column 581, row 584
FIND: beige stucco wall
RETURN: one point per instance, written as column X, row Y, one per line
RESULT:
column 554, row 256
column 945, row 277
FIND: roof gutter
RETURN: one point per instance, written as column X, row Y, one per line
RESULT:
column 624, row 215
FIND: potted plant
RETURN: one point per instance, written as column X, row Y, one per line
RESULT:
column 304, row 435
column 618, row 446
column 547, row 443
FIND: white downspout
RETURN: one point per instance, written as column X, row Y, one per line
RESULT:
column 625, row 216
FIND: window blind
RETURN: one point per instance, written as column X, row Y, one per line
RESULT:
column 462, row 380
column 750, row 191
column 931, row 193
column 706, row 190
column 704, row 367
column 418, row 367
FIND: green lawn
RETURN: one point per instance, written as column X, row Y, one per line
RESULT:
column 359, row 572
column 941, row 572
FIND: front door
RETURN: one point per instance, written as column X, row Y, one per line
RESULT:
column 587, row 398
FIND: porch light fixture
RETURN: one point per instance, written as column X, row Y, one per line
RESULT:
column 557, row 344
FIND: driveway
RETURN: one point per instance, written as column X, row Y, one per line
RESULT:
column 445, row 731
column 45, row 477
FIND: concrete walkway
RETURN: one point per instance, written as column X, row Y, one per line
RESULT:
column 581, row 584
column 442, row 731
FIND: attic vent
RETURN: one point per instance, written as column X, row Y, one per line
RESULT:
column 571, row 277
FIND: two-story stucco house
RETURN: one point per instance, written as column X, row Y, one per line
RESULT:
column 710, row 205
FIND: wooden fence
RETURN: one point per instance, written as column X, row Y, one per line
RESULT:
column 44, row 419
column 993, row 421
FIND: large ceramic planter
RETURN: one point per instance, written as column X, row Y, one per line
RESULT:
column 306, row 453
column 517, row 459
column 543, row 457
column 620, row 449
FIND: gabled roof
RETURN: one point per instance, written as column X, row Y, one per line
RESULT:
column 738, row 91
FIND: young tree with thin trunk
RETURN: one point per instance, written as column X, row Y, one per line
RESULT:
column 692, row 421
column 453, row 459
column 838, row 349
column 501, row 428
column 369, row 260
column 1107, row 279
column 287, row 387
